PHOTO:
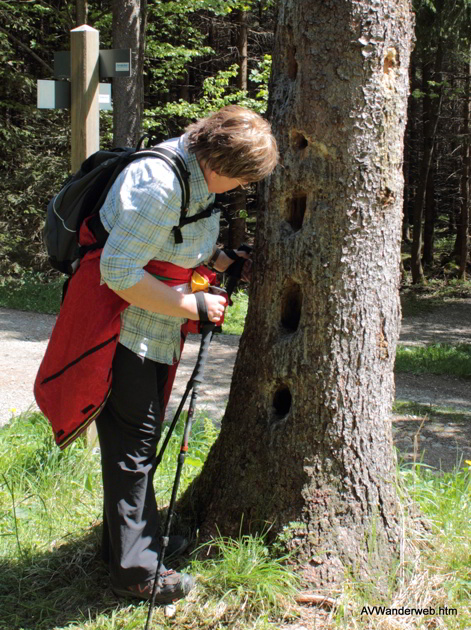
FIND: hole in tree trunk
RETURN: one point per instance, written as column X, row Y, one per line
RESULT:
column 282, row 402
column 291, row 303
column 298, row 140
column 296, row 211
column 292, row 68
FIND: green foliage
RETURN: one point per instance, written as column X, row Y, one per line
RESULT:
column 435, row 359
column 234, row 318
column 217, row 92
column 35, row 143
column 35, row 473
column 203, row 435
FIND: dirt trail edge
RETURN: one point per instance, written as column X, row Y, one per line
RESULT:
column 442, row 439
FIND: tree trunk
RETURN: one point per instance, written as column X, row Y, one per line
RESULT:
column 81, row 12
column 430, row 215
column 306, row 440
column 239, row 201
column 464, row 216
column 432, row 109
column 127, row 92
column 409, row 144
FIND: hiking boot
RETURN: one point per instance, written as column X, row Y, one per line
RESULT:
column 173, row 586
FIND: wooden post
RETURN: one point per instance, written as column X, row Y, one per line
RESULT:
column 84, row 109
column 84, row 78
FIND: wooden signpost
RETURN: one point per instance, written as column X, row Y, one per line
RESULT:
column 85, row 65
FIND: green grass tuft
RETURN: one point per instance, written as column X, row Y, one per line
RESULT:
column 435, row 359
column 244, row 574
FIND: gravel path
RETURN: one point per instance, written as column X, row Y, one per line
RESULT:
column 23, row 338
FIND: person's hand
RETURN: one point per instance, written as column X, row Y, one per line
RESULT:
column 216, row 305
column 224, row 262
column 246, row 274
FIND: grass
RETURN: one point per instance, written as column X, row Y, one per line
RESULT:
column 53, row 578
column 31, row 291
column 50, row 530
column 435, row 359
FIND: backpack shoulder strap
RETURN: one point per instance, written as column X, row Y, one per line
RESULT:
column 175, row 161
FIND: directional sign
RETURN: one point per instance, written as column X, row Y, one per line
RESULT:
column 104, row 97
column 53, row 94
column 62, row 65
column 56, row 95
column 113, row 63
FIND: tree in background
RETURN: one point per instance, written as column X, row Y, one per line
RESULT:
column 436, row 152
column 186, row 47
column 129, row 24
column 309, row 449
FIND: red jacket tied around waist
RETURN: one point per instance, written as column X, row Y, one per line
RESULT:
column 75, row 375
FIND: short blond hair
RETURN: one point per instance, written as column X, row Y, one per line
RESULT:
column 234, row 142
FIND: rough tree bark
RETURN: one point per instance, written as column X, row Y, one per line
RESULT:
column 81, row 12
column 239, row 198
column 464, row 183
column 306, row 439
column 128, row 92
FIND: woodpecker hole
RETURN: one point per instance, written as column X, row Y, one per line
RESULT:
column 298, row 141
column 296, row 211
column 291, row 304
column 282, row 402
column 292, row 68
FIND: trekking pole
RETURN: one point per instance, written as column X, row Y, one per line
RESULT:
column 197, row 369
column 194, row 383
column 231, row 285
column 193, row 386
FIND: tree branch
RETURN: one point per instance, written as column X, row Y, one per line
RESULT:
column 33, row 54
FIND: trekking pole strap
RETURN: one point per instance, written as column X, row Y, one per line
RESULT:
column 201, row 306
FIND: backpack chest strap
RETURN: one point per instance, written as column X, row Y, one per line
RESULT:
column 184, row 220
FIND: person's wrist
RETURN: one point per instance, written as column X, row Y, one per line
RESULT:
column 212, row 261
column 223, row 262
column 190, row 306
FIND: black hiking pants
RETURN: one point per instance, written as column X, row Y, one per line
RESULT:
column 129, row 429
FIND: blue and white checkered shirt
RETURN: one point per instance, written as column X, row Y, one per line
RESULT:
column 141, row 209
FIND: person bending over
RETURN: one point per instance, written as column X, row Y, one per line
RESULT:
column 230, row 148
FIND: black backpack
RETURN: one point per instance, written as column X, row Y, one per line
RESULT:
column 83, row 194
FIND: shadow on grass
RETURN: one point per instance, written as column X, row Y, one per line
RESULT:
column 67, row 586
column 46, row 590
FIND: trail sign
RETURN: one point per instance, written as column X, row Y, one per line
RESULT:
column 53, row 94
column 56, row 95
column 113, row 63
column 85, row 64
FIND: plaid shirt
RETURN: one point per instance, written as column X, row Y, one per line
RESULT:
column 141, row 209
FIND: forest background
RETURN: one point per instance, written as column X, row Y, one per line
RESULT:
column 198, row 56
